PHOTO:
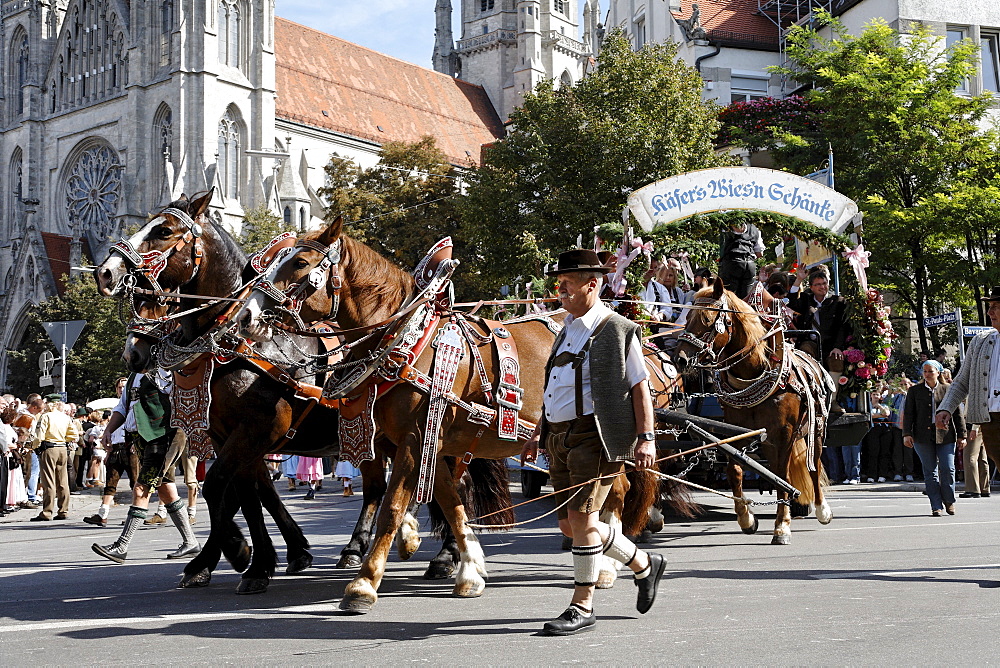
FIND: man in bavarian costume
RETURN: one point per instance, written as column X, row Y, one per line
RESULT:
column 144, row 410
column 597, row 415
column 978, row 383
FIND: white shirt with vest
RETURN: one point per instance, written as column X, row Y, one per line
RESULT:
column 560, row 391
column 164, row 382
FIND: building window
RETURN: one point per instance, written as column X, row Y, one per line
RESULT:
column 93, row 188
column 288, row 215
column 231, row 24
column 229, row 155
column 16, row 194
column 486, row 28
column 19, row 61
column 990, row 62
column 640, row 33
column 953, row 37
column 746, row 88
column 485, row 5
column 166, row 28
column 559, row 6
column 302, row 219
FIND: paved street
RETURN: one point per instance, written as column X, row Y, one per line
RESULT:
column 885, row 583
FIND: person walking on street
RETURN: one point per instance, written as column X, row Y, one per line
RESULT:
column 54, row 431
column 977, row 466
column 144, row 410
column 597, row 414
column 978, row 383
column 934, row 443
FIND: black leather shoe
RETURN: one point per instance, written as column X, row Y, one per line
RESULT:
column 647, row 585
column 968, row 495
column 570, row 622
column 96, row 520
column 985, row 495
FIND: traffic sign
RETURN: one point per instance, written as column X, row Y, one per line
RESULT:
column 941, row 319
column 44, row 381
column 972, row 330
column 45, row 361
column 64, row 332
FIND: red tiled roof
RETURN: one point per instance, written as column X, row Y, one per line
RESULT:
column 732, row 20
column 57, row 253
column 361, row 90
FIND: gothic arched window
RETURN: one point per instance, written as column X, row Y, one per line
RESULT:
column 19, row 72
column 288, row 215
column 16, row 181
column 232, row 25
column 93, row 189
column 166, row 29
column 229, row 154
column 302, row 219
column 163, row 148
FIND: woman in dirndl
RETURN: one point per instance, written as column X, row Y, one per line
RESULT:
column 310, row 469
column 346, row 471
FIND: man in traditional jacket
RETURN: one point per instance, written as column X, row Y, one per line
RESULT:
column 978, row 383
column 144, row 410
column 597, row 415
column 825, row 313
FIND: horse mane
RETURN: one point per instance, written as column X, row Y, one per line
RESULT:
column 375, row 281
column 750, row 327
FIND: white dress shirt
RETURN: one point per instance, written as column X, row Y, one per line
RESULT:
column 164, row 381
column 560, row 392
column 8, row 439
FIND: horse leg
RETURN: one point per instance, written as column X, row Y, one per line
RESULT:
column 469, row 581
column 447, row 559
column 783, row 516
column 265, row 559
column 298, row 555
column 361, row 593
column 224, row 537
column 611, row 515
column 747, row 520
column 823, row 511
column 408, row 537
column 373, row 489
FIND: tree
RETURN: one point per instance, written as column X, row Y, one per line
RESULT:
column 401, row 206
column 911, row 152
column 575, row 153
column 260, row 225
column 94, row 361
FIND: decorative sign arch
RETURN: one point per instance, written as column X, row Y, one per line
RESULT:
column 747, row 188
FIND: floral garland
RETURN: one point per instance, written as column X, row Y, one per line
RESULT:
column 866, row 359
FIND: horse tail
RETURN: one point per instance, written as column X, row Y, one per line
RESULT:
column 798, row 472
column 643, row 491
column 490, row 493
column 676, row 496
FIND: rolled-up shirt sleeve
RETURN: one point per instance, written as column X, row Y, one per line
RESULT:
column 635, row 367
column 122, row 400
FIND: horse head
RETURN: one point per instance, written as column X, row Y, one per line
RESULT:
column 304, row 286
column 165, row 254
column 707, row 331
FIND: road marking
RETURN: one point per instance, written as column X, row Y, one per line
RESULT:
column 118, row 622
column 907, row 526
column 905, row 571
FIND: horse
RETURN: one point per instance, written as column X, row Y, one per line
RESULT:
column 244, row 401
column 763, row 382
column 332, row 276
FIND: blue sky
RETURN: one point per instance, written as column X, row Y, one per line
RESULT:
column 400, row 28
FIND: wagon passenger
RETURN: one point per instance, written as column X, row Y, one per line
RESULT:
column 597, row 414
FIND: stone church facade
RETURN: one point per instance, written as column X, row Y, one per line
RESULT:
column 109, row 109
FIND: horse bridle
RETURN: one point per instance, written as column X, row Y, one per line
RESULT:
column 706, row 355
column 290, row 300
column 152, row 264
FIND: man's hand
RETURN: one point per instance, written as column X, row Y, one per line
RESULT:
column 645, row 454
column 529, row 453
column 961, row 443
column 106, row 439
column 837, row 354
column 908, row 441
column 942, row 418
column 972, row 434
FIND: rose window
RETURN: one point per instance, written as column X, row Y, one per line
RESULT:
column 92, row 192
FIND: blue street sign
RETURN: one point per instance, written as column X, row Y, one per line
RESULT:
column 942, row 319
column 972, row 330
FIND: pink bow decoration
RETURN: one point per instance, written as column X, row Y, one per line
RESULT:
column 859, row 262
column 646, row 248
column 686, row 266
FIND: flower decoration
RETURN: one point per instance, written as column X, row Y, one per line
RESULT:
column 866, row 361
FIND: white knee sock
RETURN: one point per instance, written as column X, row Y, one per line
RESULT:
column 620, row 548
column 104, row 511
column 161, row 510
column 586, row 565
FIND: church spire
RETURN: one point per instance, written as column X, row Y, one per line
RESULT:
column 444, row 44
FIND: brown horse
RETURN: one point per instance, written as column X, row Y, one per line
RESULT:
column 362, row 290
column 763, row 383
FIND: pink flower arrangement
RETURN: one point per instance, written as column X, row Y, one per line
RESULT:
column 864, row 372
column 853, row 356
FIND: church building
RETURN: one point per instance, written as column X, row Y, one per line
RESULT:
column 109, row 109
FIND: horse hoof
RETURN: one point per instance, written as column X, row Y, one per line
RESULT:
column 606, row 580
column 299, row 564
column 348, row 561
column 356, row 606
column 252, row 586
column 781, row 539
column 752, row 529
column 195, row 580
column 645, row 536
column 567, row 543
column 438, row 570
column 241, row 560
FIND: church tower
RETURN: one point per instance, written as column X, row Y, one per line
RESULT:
column 444, row 43
column 509, row 46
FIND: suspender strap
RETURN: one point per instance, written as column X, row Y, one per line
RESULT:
column 578, row 363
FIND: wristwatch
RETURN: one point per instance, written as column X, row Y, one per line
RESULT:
column 647, row 436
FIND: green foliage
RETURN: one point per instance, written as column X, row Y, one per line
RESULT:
column 260, row 225
column 94, row 361
column 574, row 154
column 402, row 206
column 910, row 151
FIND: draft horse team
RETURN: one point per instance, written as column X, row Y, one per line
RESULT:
column 318, row 346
